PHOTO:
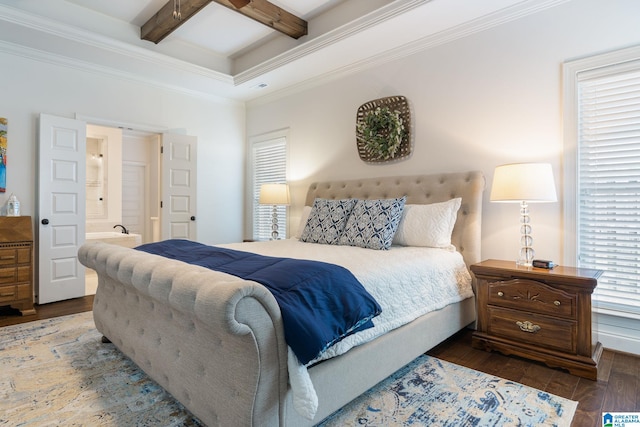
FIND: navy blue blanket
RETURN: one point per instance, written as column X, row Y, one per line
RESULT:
column 321, row 303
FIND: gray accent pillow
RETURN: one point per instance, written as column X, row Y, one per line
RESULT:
column 373, row 223
column 327, row 220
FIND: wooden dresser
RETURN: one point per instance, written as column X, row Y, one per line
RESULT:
column 540, row 314
column 16, row 263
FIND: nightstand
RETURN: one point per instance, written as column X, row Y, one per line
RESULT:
column 539, row 314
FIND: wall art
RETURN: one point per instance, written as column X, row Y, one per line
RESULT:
column 3, row 155
column 383, row 130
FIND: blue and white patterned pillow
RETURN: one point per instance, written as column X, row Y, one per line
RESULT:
column 373, row 223
column 327, row 220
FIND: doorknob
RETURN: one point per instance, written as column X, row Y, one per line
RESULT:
column 45, row 221
column 193, row 218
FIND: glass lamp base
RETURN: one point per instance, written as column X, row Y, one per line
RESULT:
column 526, row 256
column 274, row 223
column 526, row 241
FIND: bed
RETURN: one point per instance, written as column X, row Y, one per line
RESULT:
column 220, row 350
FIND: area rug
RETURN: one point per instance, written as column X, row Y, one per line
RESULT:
column 432, row 392
column 57, row 372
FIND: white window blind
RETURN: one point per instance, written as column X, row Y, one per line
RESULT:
column 269, row 167
column 608, row 180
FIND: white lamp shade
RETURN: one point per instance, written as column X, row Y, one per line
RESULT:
column 274, row 194
column 518, row 182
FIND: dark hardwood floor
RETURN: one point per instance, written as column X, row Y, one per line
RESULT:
column 616, row 390
column 10, row 316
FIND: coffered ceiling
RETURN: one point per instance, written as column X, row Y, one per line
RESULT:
column 223, row 51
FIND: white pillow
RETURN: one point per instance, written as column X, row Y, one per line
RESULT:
column 428, row 225
column 304, row 216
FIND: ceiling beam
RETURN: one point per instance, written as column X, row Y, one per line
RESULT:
column 162, row 23
column 239, row 3
column 270, row 15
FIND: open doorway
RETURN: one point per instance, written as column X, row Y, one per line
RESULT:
column 123, row 189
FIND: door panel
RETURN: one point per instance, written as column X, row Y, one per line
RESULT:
column 134, row 199
column 61, row 208
column 179, row 187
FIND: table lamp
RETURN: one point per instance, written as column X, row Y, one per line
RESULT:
column 275, row 195
column 524, row 183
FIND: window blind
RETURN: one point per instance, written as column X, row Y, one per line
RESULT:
column 608, row 168
column 269, row 167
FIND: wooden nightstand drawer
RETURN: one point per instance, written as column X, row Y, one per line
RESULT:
column 7, row 275
column 15, row 275
column 14, row 293
column 533, row 296
column 8, row 257
column 8, row 294
column 533, row 329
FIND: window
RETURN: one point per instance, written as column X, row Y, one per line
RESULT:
column 269, row 166
column 602, row 160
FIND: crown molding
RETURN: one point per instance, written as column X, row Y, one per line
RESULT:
column 332, row 37
column 474, row 26
column 85, row 66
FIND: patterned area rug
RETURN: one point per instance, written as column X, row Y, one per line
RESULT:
column 432, row 392
column 57, row 372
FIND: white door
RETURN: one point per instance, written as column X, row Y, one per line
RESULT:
column 178, row 187
column 61, row 208
column 134, row 198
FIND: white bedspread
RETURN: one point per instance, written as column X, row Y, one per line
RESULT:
column 407, row 282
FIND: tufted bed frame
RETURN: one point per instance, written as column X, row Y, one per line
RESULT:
column 220, row 350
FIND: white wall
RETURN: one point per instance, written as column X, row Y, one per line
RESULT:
column 490, row 98
column 32, row 87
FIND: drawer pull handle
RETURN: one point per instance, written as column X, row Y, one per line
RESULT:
column 500, row 294
column 6, row 258
column 527, row 326
column 7, row 294
column 556, row 303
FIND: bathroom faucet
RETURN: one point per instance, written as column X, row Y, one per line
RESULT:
column 124, row 230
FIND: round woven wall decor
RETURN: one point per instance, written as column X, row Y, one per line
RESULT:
column 383, row 130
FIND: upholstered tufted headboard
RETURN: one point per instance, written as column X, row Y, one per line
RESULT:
column 421, row 189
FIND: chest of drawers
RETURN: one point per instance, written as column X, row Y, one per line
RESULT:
column 544, row 315
column 16, row 263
